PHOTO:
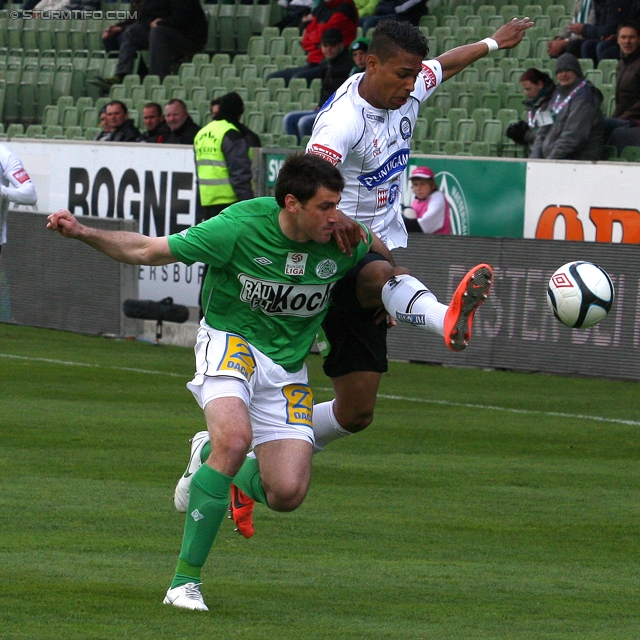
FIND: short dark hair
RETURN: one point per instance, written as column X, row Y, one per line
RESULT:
column 153, row 105
column 389, row 36
column 302, row 174
column 177, row 101
column 629, row 24
column 534, row 76
column 122, row 104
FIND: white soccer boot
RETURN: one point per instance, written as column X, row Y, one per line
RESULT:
column 181, row 494
column 186, row 596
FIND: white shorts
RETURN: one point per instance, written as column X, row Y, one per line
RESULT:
column 280, row 404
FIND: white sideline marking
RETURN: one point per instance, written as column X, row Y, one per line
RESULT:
column 93, row 366
column 485, row 407
column 447, row 403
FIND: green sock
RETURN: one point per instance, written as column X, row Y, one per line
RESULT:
column 208, row 504
column 248, row 480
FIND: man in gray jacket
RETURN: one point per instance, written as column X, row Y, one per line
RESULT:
column 577, row 132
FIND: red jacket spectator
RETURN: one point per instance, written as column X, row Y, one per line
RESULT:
column 329, row 14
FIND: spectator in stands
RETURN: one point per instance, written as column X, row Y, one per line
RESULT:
column 168, row 29
column 104, row 123
column 429, row 212
column 335, row 71
column 156, row 129
column 577, row 132
column 233, row 108
column 365, row 7
column 359, row 48
column 584, row 12
column 403, row 10
column 182, row 128
column 295, row 13
column 627, row 111
column 538, row 87
column 122, row 126
column 328, row 14
column 600, row 37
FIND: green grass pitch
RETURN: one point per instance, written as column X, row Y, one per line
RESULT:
column 480, row 505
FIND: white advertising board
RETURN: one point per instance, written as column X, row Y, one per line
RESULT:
column 152, row 184
column 583, row 201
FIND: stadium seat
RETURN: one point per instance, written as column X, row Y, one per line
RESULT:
column 15, row 129
column 69, row 117
column 470, row 75
column 455, row 114
column 275, row 123
column 452, row 22
column 630, row 154
column 466, row 132
column 492, row 134
column 36, row 131
column 430, row 147
column 255, row 121
column 479, row 148
column 91, row 133
column 441, row 130
column 288, row 141
column 53, row 131
column 74, row 133
column 88, row 117
column 493, row 77
column 608, row 68
column 485, row 11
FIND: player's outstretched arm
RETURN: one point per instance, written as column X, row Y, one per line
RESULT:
column 507, row 36
column 124, row 246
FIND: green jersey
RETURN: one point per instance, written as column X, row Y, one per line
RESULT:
column 261, row 285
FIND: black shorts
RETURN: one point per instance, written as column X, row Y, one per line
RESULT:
column 356, row 342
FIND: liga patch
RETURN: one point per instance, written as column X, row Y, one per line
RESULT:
column 299, row 398
column 238, row 357
column 21, row 176
column 296, row 263
column 326, row 153
column 429, row 77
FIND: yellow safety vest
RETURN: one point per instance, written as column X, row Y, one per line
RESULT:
column 213, row 174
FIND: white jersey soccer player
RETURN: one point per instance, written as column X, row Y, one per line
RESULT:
column 15, row 186
column 371, row 148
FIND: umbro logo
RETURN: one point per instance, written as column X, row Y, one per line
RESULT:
column 263, row 261
column 196, row 515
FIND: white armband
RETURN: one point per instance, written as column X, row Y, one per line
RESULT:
column 491, row 43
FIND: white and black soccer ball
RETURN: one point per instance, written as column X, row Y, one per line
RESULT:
column 580, row 294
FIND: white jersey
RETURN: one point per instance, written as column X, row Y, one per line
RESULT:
column 15, row 186
column 371, row 148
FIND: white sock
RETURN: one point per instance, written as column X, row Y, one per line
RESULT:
column 325, row 426
column 408, row 300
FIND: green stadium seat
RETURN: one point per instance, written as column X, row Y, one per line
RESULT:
column 442, row 130
column 466, row 131
column 443, row 100
column 88, row 117
column 226, row 27
column 475, row 22
column 470, row 74
column 493, row 77
column 480, row 148
column 158, row 94
column 492, row 134
column 73, row 133
column 557, row 13
column 595, row 76
column 69, row 117
column 244, row 25
column 282, row 96
column 307, row 99
column 36, row 131
column 275, row 123
column 233, row 84
column 453, row 22
column 256, row 46
column 485, row 11
column 288, row 141
column 53, row 131
column 608, row 68
column 630, row 154
column 609, row 152
column 260, row 96
column 268, row 109
column 429, row 21
column 15, row 129
column 455, row 114
column 430, row 147
column 90, row 133
column 255, row 121
column 118, row 92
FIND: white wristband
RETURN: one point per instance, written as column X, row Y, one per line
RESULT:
column 491, row 43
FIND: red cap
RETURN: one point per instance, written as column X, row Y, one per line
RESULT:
column 421, row 172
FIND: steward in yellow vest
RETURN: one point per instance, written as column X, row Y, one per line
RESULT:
column 223, row 166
